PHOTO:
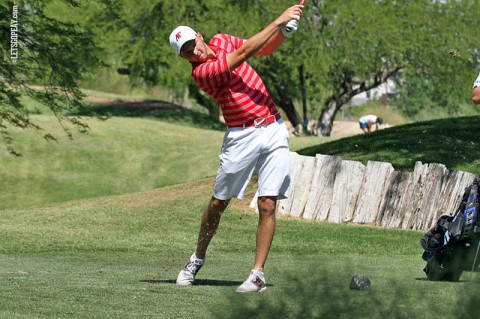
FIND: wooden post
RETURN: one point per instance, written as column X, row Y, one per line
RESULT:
column 327, row 188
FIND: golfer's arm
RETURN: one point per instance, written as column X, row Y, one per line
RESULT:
column 251, row 46
column 476, row 95
column 272, row 44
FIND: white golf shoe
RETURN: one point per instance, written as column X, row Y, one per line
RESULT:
column 186, row 277
column 254, row 283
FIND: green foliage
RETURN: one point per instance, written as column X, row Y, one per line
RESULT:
column 415, row 95
column 444, row 66
column 367, row 42
column 51, row 53
column 339, row 45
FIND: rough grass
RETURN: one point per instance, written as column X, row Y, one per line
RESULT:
column 120, row 155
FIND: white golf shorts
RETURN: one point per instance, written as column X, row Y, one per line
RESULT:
column 264, row 149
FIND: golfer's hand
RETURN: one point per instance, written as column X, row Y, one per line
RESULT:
column 292, row 13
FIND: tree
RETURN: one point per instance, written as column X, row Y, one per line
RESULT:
column 368, row 42
column 137, row 42
column 150, row 60
column 442, row 76
column 43, row 50
column 342, row 48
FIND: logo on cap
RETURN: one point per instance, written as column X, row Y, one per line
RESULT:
column 178, row 36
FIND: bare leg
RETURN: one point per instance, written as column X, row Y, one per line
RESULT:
column 265, row 230
column 209, row 225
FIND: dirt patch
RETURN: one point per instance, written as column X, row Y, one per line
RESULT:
column 345, row 128
column 339, row 129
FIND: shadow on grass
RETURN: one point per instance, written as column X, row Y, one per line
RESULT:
column 326, row 294
column 154, row 109
column 198, row 282
column 454, row 142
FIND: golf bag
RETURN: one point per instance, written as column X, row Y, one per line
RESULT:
column 451, row 247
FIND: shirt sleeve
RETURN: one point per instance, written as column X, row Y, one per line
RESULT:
column 214, row 73
column 227, row 42
column 477, row 81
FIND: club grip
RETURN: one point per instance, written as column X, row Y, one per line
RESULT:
column 289, row 28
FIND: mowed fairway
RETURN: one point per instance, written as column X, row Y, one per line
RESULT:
column 118, row 257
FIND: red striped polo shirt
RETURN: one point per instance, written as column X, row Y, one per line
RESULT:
column 241, row 93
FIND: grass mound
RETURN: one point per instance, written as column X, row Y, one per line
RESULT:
column 454, row 142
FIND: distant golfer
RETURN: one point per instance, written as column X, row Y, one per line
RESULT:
column 476, row 91
column 256, row 138
column 366, row 122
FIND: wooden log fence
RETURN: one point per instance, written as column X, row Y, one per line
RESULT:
column 327, row 188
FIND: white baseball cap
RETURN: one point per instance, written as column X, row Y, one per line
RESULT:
column 180, row 35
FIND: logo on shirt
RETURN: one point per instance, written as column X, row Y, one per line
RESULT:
column 178, row 36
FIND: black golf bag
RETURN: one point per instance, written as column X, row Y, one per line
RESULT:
column 451, row 247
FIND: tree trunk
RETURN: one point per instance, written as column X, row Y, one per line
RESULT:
column 303, row 90
column 325, row 121
column 286, row 104
column 213, row 111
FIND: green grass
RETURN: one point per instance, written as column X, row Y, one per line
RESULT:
column 118, row 257
column 165, row 112
column 118, row 156
column 147, row 148
column 454, row 142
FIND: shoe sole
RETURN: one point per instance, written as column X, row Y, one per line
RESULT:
column 246, row 291
column 184, row 283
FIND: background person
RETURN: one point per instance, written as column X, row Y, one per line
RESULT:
column 476, row 91
column 367, row 121
column 256, row 138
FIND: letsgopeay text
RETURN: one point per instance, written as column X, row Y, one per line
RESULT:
column 14, row 34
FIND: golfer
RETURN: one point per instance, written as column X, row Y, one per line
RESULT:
column 256, row 138
column 366, row 122
column 476, row 91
